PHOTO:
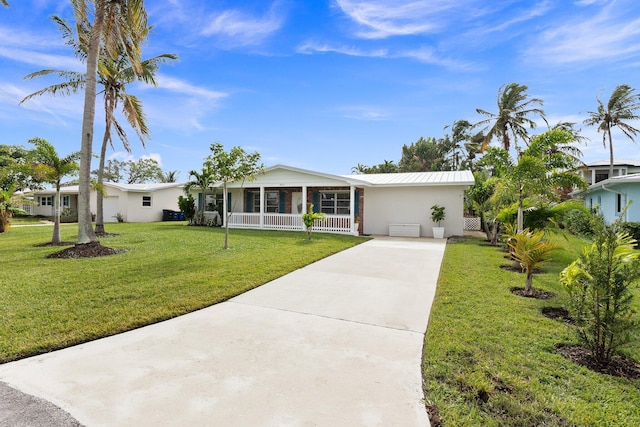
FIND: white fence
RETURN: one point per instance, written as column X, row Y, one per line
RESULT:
column 292, row 222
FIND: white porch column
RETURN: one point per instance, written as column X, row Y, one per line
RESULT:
column 304, row 199
column 261, row 206
column 225, row 207
column 352, row 207
column 593, row 176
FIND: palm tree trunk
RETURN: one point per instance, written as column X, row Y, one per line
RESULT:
column 55, row 239
column 610, row 152
column 528, row 288
column 85, row 230
column 99, row 196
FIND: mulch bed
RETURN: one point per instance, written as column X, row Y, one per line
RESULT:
column 537, row 293
column 558, row 313
column 618, row 367
column 86, row 250
column 105, row 234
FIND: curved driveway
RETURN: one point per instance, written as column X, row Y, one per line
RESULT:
column 336, row 343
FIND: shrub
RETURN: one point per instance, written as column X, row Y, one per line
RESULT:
column 188, row 206
column 633, row 230
column 310, row 218
column 599, row 286
column 530, row 250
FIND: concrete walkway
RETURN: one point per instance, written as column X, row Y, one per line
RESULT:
column 337, row 343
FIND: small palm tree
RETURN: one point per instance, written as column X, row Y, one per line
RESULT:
column 169, row 176
column 51, row 168
column 621, row 108
column 512, row 118
column 202, row 181
column 530, row 250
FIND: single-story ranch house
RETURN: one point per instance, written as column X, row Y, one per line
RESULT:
column 373, row 204
column 133, row 202
column 397, row 204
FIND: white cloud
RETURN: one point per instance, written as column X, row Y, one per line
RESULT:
column 312, row 47
column 177, row 85
column 385, row 18
column 363, row 112
column 238, row 28
column 610, row 34
column 43, row 60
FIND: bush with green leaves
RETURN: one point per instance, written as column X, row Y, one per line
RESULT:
column 309, row 219
column 633, row 229
column 599, row 284
column 530, row 250
column 188, row 206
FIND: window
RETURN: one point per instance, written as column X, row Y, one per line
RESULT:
column 45, row 200
column 210, row 202
column 146, row 201
column 66, row 201
column 619, row 202
column 272, row 201
column 334, row 203
column 601, row 176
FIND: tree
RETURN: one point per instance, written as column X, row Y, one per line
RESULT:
column 49, row 167
column 14, row 169
column 169, row 176
column 530, row 250
column 116, row 25
column 512, row 119
column 234, row 165
column 599, row 284
column 426, row 155
column 4, row 3
column 309, row 219
column 548, row 164
column 202, row 181
column 621, row 108
column 7, row 208
column 114, row 74
column 188, row 206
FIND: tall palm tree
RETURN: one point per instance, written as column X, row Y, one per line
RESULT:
column 621, row 108
column 49, row 167
column 114, row 73
column 512, row 119
column 169, row 176
column 116, row 25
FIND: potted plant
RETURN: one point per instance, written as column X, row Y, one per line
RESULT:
column 437, row 215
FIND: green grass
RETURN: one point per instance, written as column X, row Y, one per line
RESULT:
column 489, row 356
column 169, row 269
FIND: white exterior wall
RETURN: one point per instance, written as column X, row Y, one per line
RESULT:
column 412, row 205
column 160, row 199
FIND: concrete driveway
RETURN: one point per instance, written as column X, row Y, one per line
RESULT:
column 337, row 343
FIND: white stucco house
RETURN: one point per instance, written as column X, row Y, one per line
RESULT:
column 375, row 204
column 134, row 202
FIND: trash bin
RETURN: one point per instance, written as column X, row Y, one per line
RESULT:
column 167, row 214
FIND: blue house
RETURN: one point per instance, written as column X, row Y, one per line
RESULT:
column 610, row 195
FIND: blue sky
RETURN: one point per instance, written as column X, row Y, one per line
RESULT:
column 328, row 84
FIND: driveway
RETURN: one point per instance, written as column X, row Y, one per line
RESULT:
column 336, row 343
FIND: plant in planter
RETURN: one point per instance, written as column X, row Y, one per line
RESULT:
column 438, row 215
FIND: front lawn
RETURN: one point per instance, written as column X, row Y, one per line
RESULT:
column 169, row 269
column 490, row 356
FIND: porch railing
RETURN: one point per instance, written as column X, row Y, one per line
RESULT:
column 292, row 222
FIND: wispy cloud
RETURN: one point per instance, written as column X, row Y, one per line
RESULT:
column 363, row 112
column 180, row 86
column 310, row 47
column 385, row 18
column 611, row 33
column 238, row 28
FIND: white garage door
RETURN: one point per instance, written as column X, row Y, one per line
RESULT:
column 111, row 205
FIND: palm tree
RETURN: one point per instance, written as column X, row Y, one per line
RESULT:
column 202, row 181
column 4, row 3
column 620, row 109
column 114, row 73
column 169, row 176
column 49, row 167
column 116, row 25
column 512, row 118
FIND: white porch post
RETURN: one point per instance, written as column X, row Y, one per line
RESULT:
column 304, row 199
column 593, row 176
column 225, row 212
column 352, row 207
column 261, row 206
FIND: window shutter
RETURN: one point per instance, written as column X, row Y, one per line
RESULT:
column 356, row 203
column 199, row 201
column 229, row 202
column 249, row 204
column 316, row 201
column 281, row 200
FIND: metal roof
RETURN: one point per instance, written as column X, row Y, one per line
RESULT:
column 415, row 178
column 616, row 162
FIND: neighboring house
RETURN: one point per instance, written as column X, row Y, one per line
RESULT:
column 134, row 202
column 610, row 195
column 599, row 170
column 375, row 204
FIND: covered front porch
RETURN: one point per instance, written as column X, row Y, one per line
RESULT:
column 281, row 208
